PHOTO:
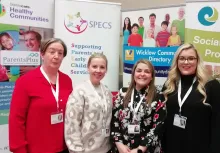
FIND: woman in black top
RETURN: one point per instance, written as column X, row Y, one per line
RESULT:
column 138, row 114
column 193, row 106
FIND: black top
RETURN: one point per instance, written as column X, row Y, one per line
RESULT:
column 149, row 117
column 202, row 131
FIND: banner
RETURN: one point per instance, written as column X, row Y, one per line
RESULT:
column 22, row 27
column 203, row 30
column 152, row 33
column 161, row 58
column 88, row 27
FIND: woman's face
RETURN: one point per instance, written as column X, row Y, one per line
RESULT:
column 31, row 42
column 126, row 21
column 97, row 69
column 7, row 42
column 53, row 56
column 187, row 62
column 142, row 76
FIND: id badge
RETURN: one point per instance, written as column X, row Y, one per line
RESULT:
column 56, row 118
column 106, row 132
column 133, row 129
column 180, row 121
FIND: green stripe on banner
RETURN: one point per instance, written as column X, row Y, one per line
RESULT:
column 8, row 27
column 207, row 43
column 4, row 116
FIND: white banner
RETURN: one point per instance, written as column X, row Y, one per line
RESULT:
column 27, row 12
column 23, row 25
column 88, row 27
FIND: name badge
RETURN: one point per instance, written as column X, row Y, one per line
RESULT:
column 180, row 121
column 106, row 132
column 57, row 118
column 133, row 129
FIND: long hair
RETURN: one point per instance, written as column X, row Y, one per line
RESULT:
column 174, row 73
column 151, row 86
column 129, row 25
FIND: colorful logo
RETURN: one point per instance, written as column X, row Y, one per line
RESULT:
column 129, row 55
column 2, row 10
column 207, row 16
column 75, row 23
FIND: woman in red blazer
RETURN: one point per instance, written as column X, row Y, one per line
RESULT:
column 38, row 104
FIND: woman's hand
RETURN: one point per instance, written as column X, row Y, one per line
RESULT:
column 122, row 148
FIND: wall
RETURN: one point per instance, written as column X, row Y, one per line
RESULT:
column 141, row 4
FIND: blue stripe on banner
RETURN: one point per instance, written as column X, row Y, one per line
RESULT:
column 6, row 89
column 161, row 71
column 128, row 68
column 159, row 56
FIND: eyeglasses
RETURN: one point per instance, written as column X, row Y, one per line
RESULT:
column 190, row 59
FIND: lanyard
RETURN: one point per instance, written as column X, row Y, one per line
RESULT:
column 181, row 102
column 104, row 103
column 55, row 93
column 135, row 110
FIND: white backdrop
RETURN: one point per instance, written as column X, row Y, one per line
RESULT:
column 87, row 27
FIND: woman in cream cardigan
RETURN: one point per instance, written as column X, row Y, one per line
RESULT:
column 89, row 112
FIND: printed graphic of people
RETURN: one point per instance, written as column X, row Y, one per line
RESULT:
column 152, row 25
column 141, row 26
column 137, row 129
column 135, row 39
column 126, row 30
column 149, row 41
column 8, row 43
column 60, row 117
column 180, row 24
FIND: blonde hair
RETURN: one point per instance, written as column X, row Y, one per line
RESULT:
column 151, row 90
column 174, row 73
column 97, row 55
column 174, row 26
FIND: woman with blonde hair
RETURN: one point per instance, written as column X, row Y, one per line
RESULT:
column 193, row 103
column 89, row 111
column 138, row 114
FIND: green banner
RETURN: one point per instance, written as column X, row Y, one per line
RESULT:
column 207, row 43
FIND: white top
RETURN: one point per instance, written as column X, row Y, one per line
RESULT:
column 85, row 115
column 156, row 30
column 149, row 42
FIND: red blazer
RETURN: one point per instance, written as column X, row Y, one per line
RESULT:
column 30, row 129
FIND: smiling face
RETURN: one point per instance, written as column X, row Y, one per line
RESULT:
column 141, row 21
column 187, row 62
column 97, row 68
column 53, row 56
column 142, row 76
column 31, row 42
column 126, row 21
column 6, row 42
column 181, row 13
